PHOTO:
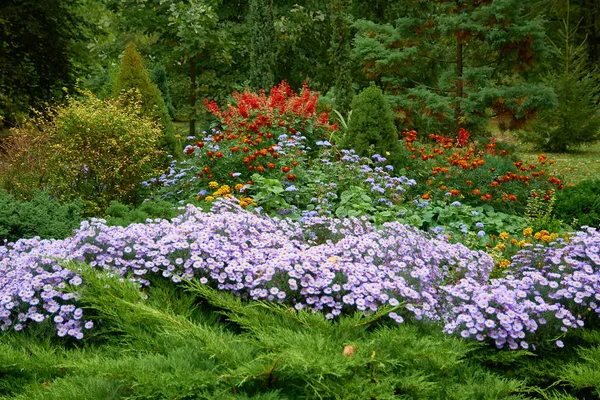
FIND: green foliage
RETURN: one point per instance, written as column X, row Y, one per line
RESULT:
column 41, row 216
column 159, row 77
column 444, row 65
column 91, row 149
column 42, row 53
column 341, row 54
column 579, row 205
column 575, row 121
column 123, row 215
column 262, row 44
column 372, row 127
column 134, row 78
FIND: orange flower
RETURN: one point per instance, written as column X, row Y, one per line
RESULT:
column 286, row 169
column 426, row 196
column 260, row 168
column 454, row 192
column 291, row 177
column 476, row 192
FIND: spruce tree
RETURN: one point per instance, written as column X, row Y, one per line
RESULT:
column 372, row 124
column 446, row 64
column 576, row 120
column 261, row 44
column 341, row 54
column 133, row 76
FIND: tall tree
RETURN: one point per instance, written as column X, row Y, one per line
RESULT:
column 449, row 62
column 39, row 52
column 262, row 44
column 577, row 85
column 341, row 53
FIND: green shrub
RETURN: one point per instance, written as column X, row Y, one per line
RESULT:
column 132, row 77
column 579, row 205
column 91, row 149
column 372, row 124
column 123, row 215
column 42, row 216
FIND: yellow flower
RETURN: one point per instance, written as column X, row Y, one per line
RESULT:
column 546, row 238
column 554, row 236
column 504, row 263
column 522, row 243
column 238, row 187
column 209, row 198
column 527, row 232
column 500, row 246
column 504, row 235
column 537, row 236
column 228, row 195
column 513, row 241
column 213, row 185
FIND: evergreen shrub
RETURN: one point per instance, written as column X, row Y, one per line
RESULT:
column 372, row 124
column 132, row 77
column 41, row 216
column 579, row 205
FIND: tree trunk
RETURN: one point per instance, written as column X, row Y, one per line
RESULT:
column 193, row 97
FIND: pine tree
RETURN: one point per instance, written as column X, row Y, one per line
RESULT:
column 372, row 124
column 341, row 54
column 261, row 44
column 576, row 120
column 133, row 76
column 447, row 63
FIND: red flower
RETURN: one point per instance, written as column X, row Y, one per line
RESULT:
column 286, row 169
column 291, row 177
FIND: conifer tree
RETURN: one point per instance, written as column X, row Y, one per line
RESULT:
column 160, row 79
column 261, row 44
column 448, row 63
column 372, row 124
column 576, row 120
column 341, row 54
column 133, row 75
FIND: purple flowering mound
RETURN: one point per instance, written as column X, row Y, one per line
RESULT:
column 323, row 264
column 557, row 287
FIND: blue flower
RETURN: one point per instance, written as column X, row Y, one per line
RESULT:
column 479, row 225
column 481, row 233
column 456, row 204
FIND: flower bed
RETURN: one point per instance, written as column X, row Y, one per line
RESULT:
column 323, row 264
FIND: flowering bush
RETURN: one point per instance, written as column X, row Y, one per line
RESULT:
column 557, row 287
column 321, row 264
column 478, row 173
column 355, row 267
column 260, row 134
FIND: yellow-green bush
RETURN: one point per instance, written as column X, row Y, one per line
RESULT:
column 99, row 150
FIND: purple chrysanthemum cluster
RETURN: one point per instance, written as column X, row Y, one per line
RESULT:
column 32, row 283
column 324, row 264
column 556, row 286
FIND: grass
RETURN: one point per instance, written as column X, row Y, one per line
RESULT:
column 572, row 167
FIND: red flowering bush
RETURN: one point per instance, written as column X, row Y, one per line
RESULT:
column 479, row 173
column 269, row 135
